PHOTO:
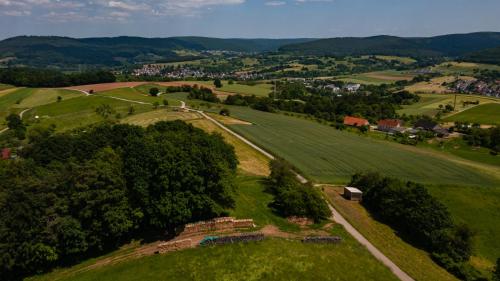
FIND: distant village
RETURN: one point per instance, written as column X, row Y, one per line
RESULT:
column 475, row 86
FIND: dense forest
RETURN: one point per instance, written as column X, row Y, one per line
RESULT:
column 33, row 77
column 79, row 194
column 453, row 45
column 420, row 218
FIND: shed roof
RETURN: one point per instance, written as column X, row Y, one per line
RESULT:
column 353, row 189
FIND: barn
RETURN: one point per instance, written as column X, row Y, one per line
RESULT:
column 353, row 194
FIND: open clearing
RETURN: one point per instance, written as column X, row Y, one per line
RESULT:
column 417, row 263
column 429, row 103
column 488, row 114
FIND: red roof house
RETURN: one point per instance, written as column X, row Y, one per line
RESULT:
column 6, row 153
column 388, row 124
column 355, row 122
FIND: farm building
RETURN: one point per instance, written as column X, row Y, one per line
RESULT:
column 352, row 87
column 353, row 193
column 355, row 122
column 387, row 125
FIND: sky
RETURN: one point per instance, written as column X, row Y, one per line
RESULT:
column 247, row 18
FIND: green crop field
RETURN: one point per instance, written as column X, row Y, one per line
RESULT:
column 488, row 114
column 329, row 155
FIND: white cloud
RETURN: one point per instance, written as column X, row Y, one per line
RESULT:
column 275, row 3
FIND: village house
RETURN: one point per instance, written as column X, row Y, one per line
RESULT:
column 6, row 153
column 353, row 87
column 355, row 121
column 386, row 125
column 431, row 126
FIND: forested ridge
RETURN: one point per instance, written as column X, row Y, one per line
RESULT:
column 79, row 194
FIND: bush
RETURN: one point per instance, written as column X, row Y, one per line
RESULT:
column 225, row 112
column 154, row 92
column 292, row 198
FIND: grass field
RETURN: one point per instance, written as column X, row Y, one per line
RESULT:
column 77, row 112
column 429, row 103
column 272, row 259
column 417, row 263
column 488, row 114
column 141, row 94
column 252, row 202
column 329, row 155
column 376, row 78
column 463, row 68
column 261, row 90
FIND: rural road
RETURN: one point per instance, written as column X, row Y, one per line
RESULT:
column 336, row 215
column 20, row 116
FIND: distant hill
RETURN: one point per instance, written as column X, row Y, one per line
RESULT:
column 485, row 56
column 453, row 45
column 42, row 51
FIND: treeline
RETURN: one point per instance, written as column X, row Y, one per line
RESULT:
column 200, row 93
column 291, row 198
column 75, row 195
column 33, row 77
column 412, row 211
column 293, row 97
column 474, row 135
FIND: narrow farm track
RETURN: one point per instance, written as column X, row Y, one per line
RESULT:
column 336, row 215
column 20, row 116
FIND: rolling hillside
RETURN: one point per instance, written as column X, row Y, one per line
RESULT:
column 42, row 51
column 447, row 45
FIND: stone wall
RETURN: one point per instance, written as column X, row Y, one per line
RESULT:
column 225, row 223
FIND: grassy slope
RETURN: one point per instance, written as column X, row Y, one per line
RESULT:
column 329, row 155
column 460, row 148
column 77, row 112
column 483, row 114
column 141, row 94
column 413, row 261
column 10, row 99
column 273, row 259
column 429, row 103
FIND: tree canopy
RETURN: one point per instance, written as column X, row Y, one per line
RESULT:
column 78, row 194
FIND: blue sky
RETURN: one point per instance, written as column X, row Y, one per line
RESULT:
column 246, row 18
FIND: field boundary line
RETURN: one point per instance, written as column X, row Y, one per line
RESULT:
column 398, row 272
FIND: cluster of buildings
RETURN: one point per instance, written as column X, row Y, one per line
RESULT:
column 478, row 87
column 348, row 87
column 177, row 73
column 393, row 126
